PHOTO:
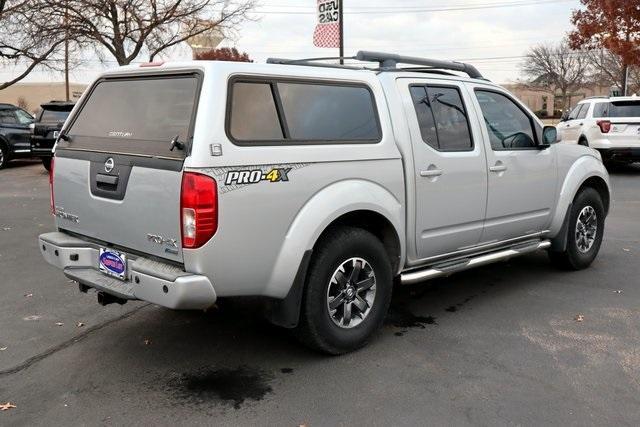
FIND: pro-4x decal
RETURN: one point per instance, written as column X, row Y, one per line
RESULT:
column 254, row 176
column 231, row 178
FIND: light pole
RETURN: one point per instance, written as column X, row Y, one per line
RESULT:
column 66, row 49
column 341, row 23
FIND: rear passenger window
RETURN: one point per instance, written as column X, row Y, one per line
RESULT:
column 253, row 113
column 281, row 112
column 442, row 118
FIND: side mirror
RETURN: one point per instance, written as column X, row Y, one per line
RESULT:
column 549, row 136
column 564, row 117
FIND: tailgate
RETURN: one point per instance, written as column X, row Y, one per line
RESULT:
column 117, row 180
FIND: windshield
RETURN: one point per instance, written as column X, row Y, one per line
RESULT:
column 136, row 115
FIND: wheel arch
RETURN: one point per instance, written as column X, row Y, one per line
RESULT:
column 587, row 171
column 370, row 206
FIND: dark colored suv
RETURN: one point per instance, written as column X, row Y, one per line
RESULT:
column 46, row 127
column 15, row 133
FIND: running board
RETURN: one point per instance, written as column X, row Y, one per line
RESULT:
column 446, row 269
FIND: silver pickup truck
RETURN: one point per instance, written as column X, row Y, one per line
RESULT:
column 317, row 187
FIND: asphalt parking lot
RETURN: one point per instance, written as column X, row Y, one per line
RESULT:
column 500, row 345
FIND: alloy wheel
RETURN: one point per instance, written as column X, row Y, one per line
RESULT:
column 351, row 293
column 586, row 229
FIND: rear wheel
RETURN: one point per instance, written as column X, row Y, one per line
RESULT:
column 46, row 162
column 585, row 232
column 347, row 293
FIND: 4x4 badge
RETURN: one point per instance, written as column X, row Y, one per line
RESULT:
column 108, row 165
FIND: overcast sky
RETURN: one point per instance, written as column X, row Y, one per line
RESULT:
column 491, row 34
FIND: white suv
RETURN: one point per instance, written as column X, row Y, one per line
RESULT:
column 610, row 125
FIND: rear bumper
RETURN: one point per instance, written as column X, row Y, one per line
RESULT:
column 622, row 154
column 148, row 280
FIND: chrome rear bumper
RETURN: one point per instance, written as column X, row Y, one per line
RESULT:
column 148, row 280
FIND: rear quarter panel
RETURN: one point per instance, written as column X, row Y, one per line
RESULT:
column 265, row 228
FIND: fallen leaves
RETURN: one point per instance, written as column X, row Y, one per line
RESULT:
column 618, row 291
column 3, row 348
column 6, row 406
column 579, row 318
column 147, row 341
column 59, row 324
column 28, row 295
column 80, row 324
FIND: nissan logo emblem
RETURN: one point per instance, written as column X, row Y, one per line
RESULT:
column 108, row 165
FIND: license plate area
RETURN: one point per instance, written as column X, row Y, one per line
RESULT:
column 113, row 263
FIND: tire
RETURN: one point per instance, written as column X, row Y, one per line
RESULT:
column 327, row 330
column 46, row 162
column 583, row 141
column 4, row 155
column 580, row 250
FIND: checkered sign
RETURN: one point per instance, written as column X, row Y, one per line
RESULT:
column 327, row 33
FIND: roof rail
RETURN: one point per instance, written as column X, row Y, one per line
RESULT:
column 391, row 60
column 387, row 62
column 309, row 62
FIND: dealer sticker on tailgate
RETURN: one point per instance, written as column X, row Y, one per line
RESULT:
column 113, row 263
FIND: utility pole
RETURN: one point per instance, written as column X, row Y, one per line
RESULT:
column 66, row 49
column 341, row 18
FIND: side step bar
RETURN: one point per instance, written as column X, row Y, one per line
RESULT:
column 446, row 269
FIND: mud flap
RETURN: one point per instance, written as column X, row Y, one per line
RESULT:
column 286, row 312
column 559, row 243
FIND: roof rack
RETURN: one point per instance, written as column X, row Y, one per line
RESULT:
column 387, row 62
column 391, row 60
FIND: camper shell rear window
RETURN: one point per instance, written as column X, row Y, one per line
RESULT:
column 137, row 115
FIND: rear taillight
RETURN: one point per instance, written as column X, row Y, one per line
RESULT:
column 52, row 202
column 604, row 125
column 198, row 209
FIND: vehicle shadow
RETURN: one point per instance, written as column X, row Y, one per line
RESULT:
column 22, row 163
column 624, row 169
column 227, row 355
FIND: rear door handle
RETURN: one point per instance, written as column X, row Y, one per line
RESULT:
column 499, row 167
column 431, row 172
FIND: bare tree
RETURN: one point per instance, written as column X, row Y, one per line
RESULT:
column 609, row 69
column 127, row 29
column 29, row 37
column 555, row 68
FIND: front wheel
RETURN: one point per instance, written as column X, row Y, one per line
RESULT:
column 347, row 293
column 585, row 232
column 4, row 156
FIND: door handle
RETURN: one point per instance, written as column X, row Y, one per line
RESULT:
column 499, row 167
column 431, row 172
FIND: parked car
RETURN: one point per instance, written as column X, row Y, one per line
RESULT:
column 611, row 125
column 314, row 186
column 14, row 133
column 46, row 127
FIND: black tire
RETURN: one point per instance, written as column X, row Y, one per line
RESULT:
column 46, row 162
column 4, row 155
column 583, row 141
column 317, row 327
column 574, row 257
